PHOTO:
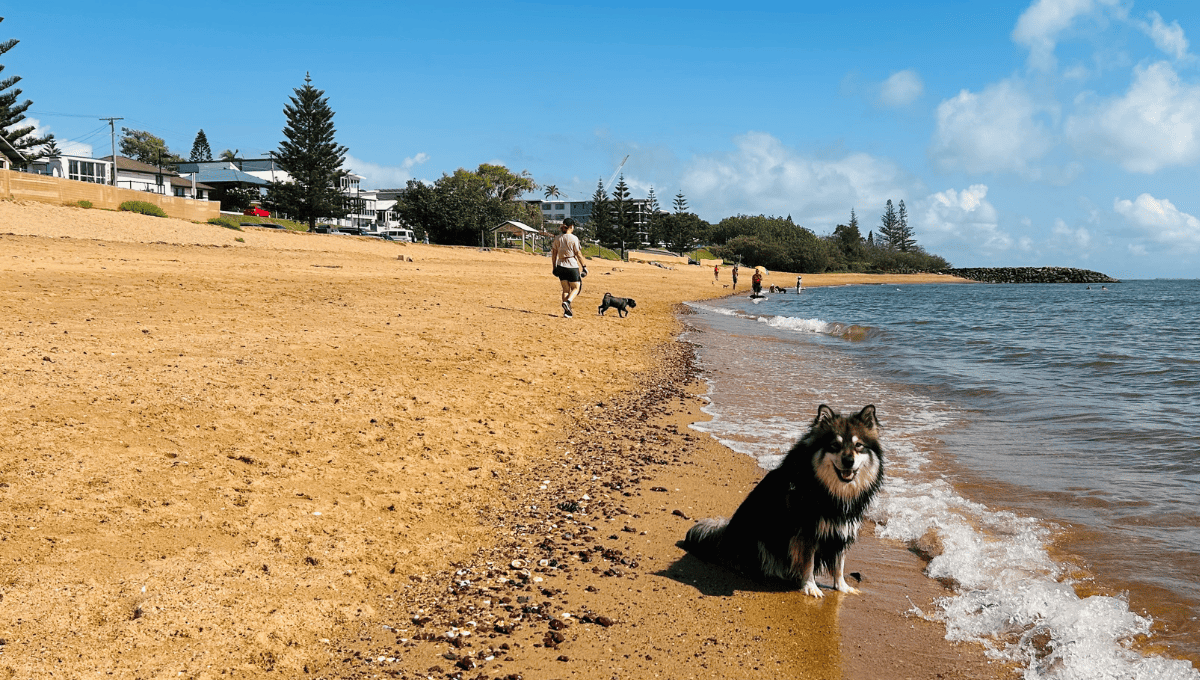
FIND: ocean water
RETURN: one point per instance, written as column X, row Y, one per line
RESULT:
column 1041, row 441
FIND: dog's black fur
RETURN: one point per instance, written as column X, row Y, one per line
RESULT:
column 622, row 305
column 804, row 515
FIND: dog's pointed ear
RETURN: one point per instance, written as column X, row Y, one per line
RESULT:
column 824, row 415
column 867, row 416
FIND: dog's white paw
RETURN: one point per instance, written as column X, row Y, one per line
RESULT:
column 844, row 587
column 812, row 589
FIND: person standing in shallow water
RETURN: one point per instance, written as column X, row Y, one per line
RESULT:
column 567, row 257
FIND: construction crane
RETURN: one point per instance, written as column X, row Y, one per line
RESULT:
column 615, row 173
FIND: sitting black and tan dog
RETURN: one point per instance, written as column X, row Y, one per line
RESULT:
column 622, row 305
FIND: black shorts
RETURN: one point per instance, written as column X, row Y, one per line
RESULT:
column 570, row 274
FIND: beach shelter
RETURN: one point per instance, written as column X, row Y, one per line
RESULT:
column 515, row 228
column 762, row 270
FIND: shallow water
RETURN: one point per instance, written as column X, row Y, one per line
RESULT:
column 1038, row 433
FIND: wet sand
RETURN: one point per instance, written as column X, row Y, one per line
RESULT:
column 329, row 456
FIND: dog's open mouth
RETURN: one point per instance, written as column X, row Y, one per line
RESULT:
column 846, row 475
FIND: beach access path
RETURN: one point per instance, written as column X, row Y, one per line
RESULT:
column 270, row 454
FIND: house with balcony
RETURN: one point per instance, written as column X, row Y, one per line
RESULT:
column 157, row 179
column 78, row 168
column 131, row 174
column 362, row 207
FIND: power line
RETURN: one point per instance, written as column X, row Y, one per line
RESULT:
column 63, row 115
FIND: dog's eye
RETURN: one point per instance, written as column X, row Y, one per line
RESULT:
column 858, row 446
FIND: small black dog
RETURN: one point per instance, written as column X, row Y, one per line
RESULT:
column 620, row 304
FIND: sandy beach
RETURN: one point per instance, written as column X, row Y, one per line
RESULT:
column 274, row 454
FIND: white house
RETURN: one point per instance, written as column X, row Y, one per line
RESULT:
column 79, row 168
column 131, row 174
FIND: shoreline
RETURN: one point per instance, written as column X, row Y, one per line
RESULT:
column 221, row 456
column 638, row 605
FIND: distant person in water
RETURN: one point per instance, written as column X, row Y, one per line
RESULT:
column 756, row 282
column 799, row 286
column 735, row 272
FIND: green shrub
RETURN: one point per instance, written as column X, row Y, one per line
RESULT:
column 79, row 204
column 240, row 239
column 227, row 222
column 142, row 207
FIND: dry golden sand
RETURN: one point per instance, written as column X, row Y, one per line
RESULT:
column 264, row 457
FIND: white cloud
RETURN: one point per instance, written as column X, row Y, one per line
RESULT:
column 1040, row 24
column 377, row 176
column 960, row 217
column 763, row 176
column 1076, row 239
column 1167, row 37
column 901, row 88
column 1161, row 221
column 995, row 130
column 1155, row 124
column 65, row 146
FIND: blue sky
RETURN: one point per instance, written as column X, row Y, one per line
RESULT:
column 1041, row 132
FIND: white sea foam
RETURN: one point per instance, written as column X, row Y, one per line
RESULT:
column 724, row 311
column 1010, row 594
column 794, row 324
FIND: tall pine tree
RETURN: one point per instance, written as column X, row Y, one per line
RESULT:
column 652, row 217
column 680, row 203
column 201, row 151
column 889, row 226
column 652, row 206
column 624, row 216
column 600, row 224
column 906, row 243
column 313, row 159
column 19, row 138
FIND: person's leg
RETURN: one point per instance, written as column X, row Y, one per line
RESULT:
column 573, row 289
column 566, row 289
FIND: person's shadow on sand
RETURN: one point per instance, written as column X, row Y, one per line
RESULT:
column 713, row 579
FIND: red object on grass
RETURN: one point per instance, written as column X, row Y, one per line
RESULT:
column 257, row 212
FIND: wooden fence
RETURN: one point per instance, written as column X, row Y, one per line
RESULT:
column 29, row 187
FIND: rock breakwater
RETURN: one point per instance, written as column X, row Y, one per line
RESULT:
column 1030, row 275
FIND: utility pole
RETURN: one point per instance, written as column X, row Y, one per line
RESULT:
column 112, row 128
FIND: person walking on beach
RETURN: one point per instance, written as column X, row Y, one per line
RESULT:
column 567, row 257
column 716, row 273
column 735, row 272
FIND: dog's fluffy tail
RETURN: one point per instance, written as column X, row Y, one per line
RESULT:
column 704, row 537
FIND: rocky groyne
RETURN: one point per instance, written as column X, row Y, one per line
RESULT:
column 1030, row 275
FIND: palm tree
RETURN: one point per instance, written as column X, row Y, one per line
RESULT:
column 552, row 191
